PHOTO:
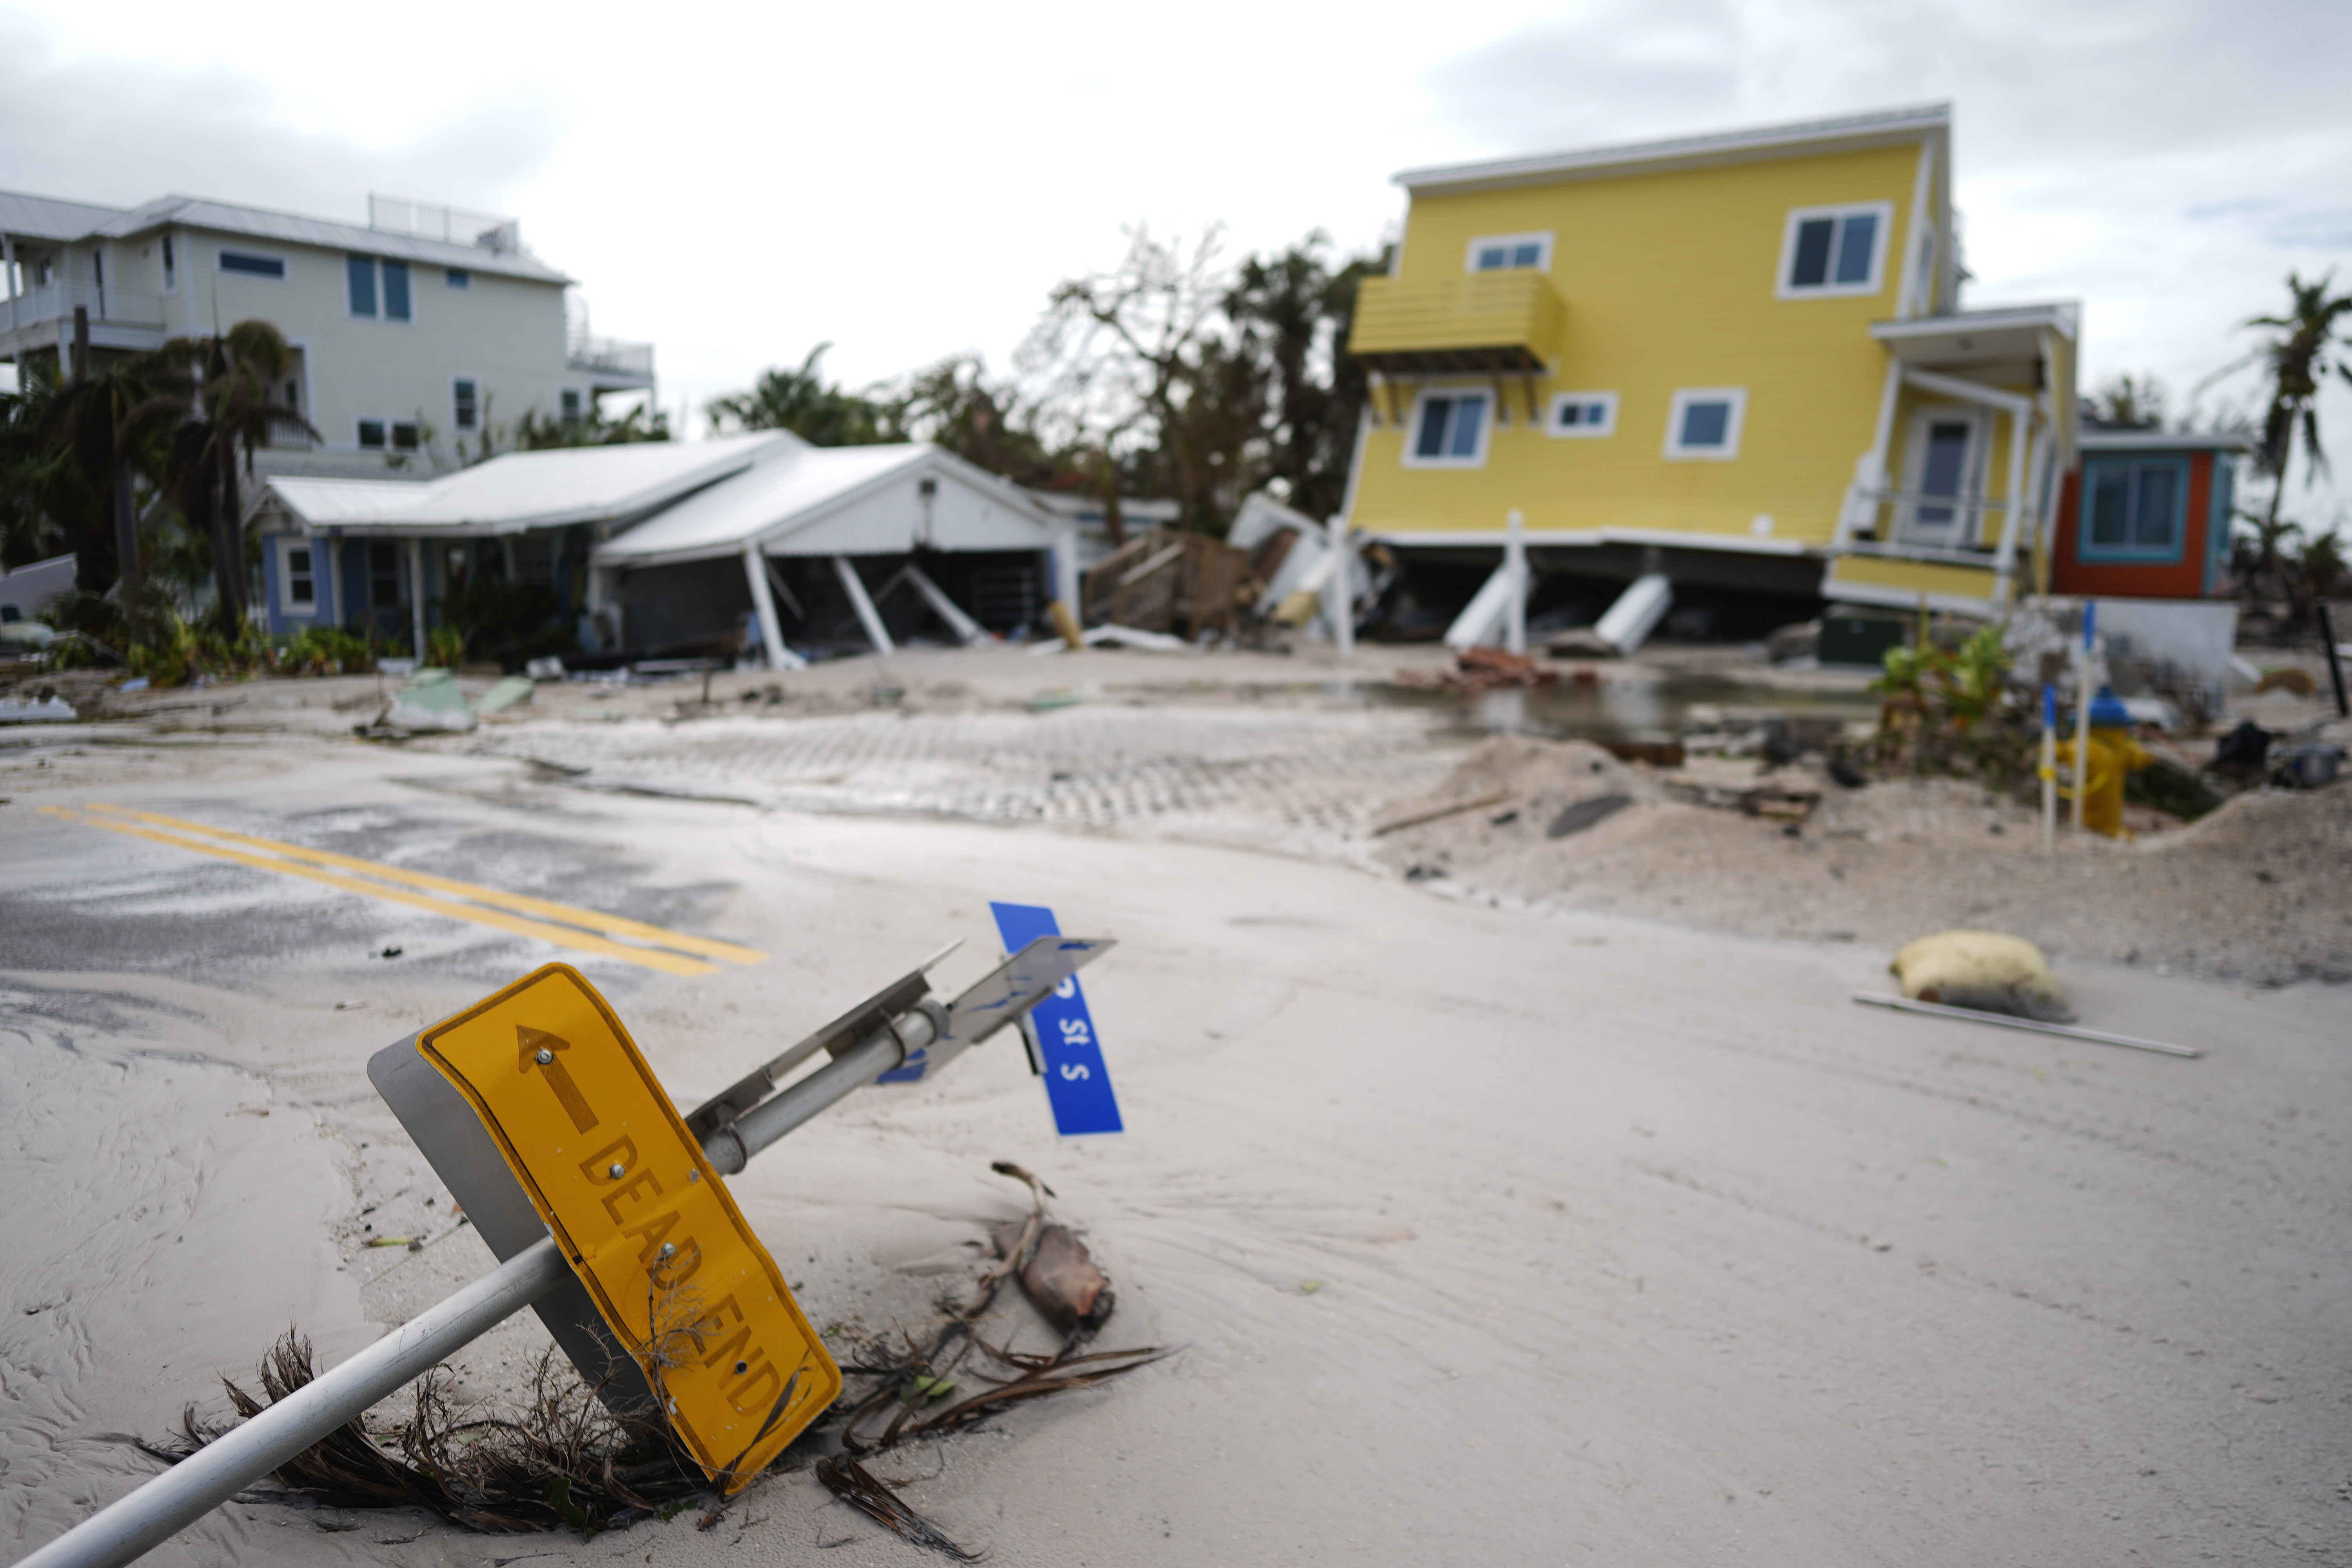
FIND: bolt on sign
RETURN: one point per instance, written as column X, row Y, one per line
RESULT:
column 642, row 1216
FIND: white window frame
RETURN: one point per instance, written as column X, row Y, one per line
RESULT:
column 1598, row 432
column 1486, row 427
column 1966, row 524
column 455, row 423
column 285, row 266
column 287, row 545
column 1882, row 242
column 1542, row 240
column 390, row 424
column 581, row 394
column 1733, row 426
column 459, row 277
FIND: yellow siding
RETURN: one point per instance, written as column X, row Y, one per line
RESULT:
column 1667, row 282
column 1913, row 576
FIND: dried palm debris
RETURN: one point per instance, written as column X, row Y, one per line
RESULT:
column 1068, row 1288
column 853, row 1484
column 565, row 1459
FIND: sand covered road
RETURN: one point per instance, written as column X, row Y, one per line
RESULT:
column 1627, row 1243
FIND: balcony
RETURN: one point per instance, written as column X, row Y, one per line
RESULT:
column 1495, row 324
column 614, row 364
column 119, row 317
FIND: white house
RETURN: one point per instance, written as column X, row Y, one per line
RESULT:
column 662, row 547
column 413, row 334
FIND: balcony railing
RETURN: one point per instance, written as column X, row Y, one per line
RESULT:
column 108, row 306
column 1486, row 323
column 613, row 356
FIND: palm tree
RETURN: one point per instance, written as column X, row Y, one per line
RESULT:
column 96, row 427
column 232, row 416
column 2304, row 348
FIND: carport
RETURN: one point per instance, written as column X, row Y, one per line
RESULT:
column 838, row 532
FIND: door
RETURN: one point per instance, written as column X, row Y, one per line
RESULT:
column 1947, row 450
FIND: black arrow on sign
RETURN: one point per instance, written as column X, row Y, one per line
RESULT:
column 537, row 1048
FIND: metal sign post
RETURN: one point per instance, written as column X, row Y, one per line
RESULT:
column 537, row 1111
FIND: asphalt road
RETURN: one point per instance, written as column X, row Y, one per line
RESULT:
column 1485, row 1236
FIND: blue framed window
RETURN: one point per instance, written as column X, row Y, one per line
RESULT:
column 2133, row 509
column 360, row 271
column 1449, row 431
column 253, row 266
column 2221, row 521
column 396, row 290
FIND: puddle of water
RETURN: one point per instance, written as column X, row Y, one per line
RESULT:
column 1621, row 707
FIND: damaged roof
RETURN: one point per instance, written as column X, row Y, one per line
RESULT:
column 523, row 490
column 781, row 506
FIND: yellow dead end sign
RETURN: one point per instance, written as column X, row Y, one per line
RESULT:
column 642, row 1217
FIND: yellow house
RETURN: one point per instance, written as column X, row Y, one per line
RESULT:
column 1735, row 360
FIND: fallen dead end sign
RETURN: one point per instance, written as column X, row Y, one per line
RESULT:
column 642, row 1216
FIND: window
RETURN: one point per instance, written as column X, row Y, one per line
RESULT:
column 456, row 277
column 399, row 434
column 298, row 582
column 251, row 264
column 569, row 402
column 1510, row 253
column 1586, row 415
column 1830, row 251
column 465, row 404
column 362, row 272
column 383, row 574
column 396, row 290
column 1703, row 422
column 1449, row 431
column 2133, row 509
column 171, row 267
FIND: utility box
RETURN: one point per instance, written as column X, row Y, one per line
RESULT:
column 1860, row 633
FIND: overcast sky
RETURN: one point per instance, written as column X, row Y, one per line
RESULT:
column 739, row 181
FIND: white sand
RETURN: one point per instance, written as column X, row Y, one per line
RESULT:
column 1633, row 1243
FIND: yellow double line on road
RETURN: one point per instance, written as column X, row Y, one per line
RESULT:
column 583, row 930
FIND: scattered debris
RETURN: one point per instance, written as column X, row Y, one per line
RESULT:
column 387, row 952
column 853, row 1484
column 1481, row 669
column 1060, row 1278
column 349, row 1007
column 430, row 703
column 1137, row 637
column 1168, row 580
column 1584, row 813
column 44, row 710
column 1431, row 814
column 564, row 1460
column 1983, row 970
column 2007, row 1021
column 507, row 693
column 2309, row 766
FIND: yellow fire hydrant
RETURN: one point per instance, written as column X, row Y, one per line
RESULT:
column 2112, row 754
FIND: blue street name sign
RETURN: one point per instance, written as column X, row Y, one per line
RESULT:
column 1070, row 1054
